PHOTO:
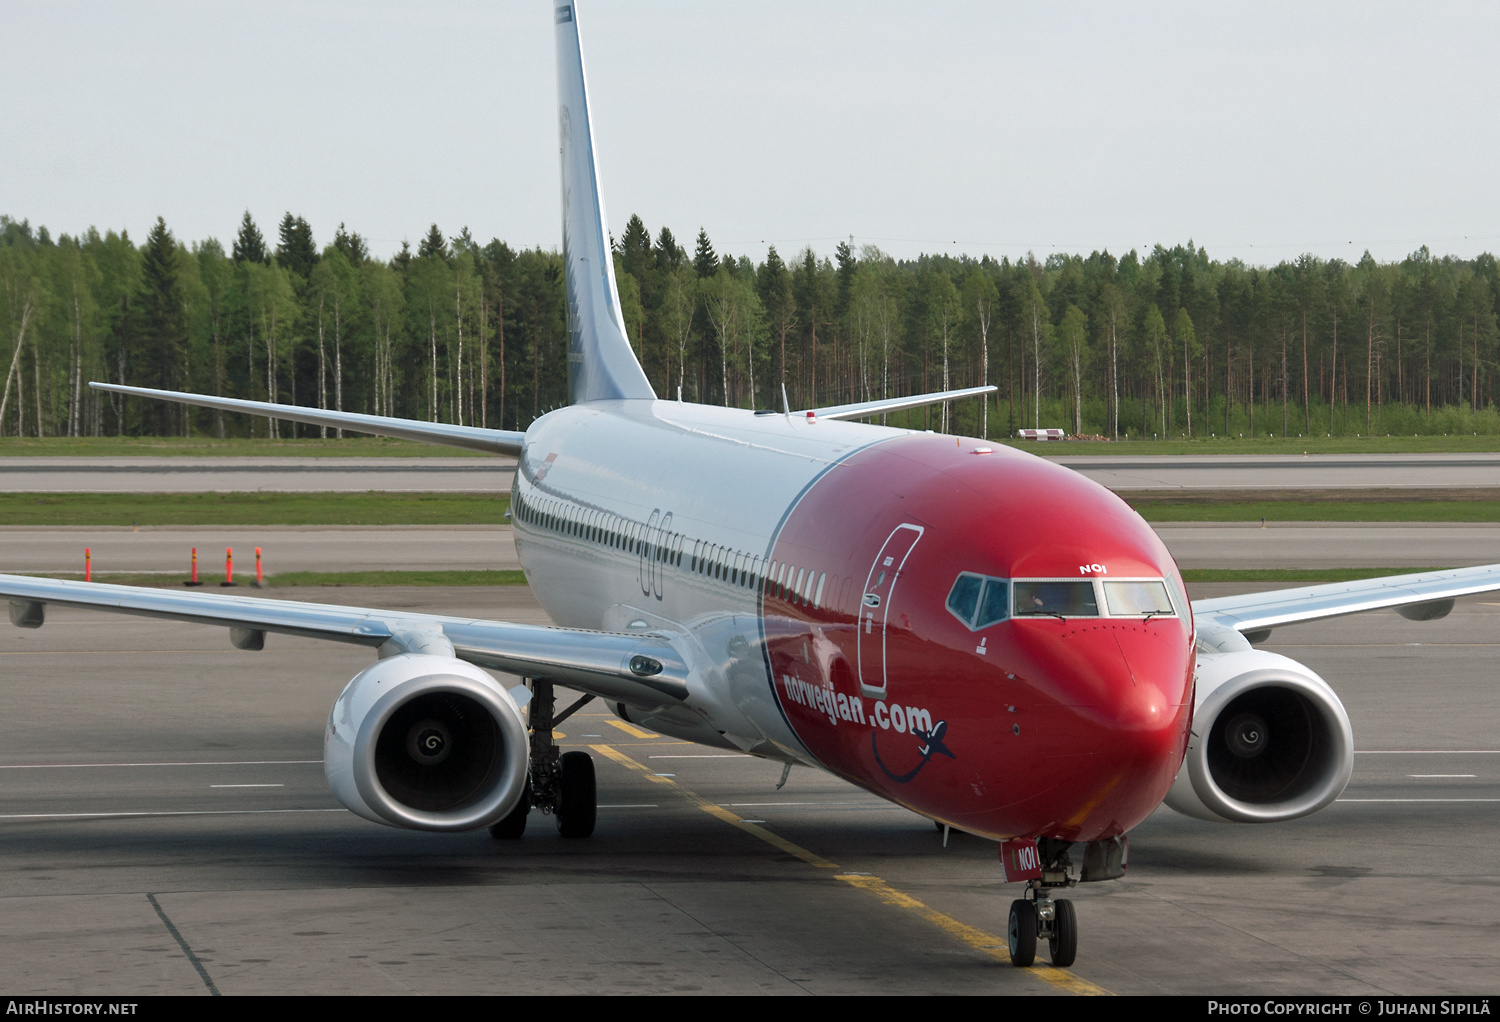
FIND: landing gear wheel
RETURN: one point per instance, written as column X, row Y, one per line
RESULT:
column 1064, row 938
column 578, row 798
column 1022, row 933
column 514, row 824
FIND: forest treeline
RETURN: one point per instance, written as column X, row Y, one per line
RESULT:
column 1166, row 344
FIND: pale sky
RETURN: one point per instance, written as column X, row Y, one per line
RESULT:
column 1258, row 130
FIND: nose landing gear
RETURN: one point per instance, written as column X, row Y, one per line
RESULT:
column 1046, row 865
column 1045, row 919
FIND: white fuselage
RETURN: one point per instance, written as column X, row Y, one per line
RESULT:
column 658, row 516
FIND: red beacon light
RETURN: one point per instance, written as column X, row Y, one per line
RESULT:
column 812, row 417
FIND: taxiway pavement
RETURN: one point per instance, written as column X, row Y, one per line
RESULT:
column 149, row 774
column 416, row 548
column 284, row 548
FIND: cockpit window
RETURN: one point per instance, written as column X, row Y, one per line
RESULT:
column 965, row 597
column 978, row 601
column 1126, row 599
column 994, row 606
column 1056, row 599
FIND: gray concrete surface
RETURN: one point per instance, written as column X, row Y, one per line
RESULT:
column 1279, row 472
column 274, row 890
column 1121, row 472
column 238, row 475
column 299, row 548
column 283, row 548
column 1330, row 544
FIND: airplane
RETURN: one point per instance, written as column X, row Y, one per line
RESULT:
column 982, row 636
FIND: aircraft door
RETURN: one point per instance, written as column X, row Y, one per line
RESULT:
column 648, row 536
column 875, row 606
column 659, row 552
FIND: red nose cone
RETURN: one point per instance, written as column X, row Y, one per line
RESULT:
column 1069, row 726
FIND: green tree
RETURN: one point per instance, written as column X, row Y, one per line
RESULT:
column 1186, row 337
column 981, row 300
column 1073, row 333
column 162, row 332
column 250, row 244
column 297, row 251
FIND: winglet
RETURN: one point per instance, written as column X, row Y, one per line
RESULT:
column 601, row 366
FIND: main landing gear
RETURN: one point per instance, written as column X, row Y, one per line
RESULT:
column 1042, row 918
column 560, row 783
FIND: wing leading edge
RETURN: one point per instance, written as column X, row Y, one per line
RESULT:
column 640, row 669
column 445, row 434
column 1256, row 612
column 864, row 409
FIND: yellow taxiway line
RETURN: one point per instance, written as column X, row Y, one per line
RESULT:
column 970, row 936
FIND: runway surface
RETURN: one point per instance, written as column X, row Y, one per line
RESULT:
column 1122, row 472
column 415, row 548
column 165, row 828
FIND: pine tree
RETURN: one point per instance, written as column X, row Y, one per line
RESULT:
column 250, row 245
column 635, row 248
column 162, row 331
column 433, row 245
column 352, row 245
column 668, row 252
column 401, row 261
column 705, row 262
column 297, row 252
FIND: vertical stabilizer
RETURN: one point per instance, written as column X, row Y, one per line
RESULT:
column 601, row 366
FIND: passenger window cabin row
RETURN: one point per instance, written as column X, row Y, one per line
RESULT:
column 797, row 585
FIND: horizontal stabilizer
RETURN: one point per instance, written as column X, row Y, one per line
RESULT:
column 446, row 434
column 865, row 409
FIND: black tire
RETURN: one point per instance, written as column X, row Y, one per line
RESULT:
column 513, row 826
column 1064, row 934
column 1022, row 933
column 578, row 795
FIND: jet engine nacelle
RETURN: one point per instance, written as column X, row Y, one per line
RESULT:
column 1270, row 741
column 427, row 743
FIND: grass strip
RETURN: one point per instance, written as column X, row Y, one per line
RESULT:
column 238, row 447
column 288, row 579
column 250, row 509
column 1300, row 575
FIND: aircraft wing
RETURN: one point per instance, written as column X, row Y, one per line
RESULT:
column 641, row 669
column 446, row 434
column 863, row 409
column 1421, row 596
